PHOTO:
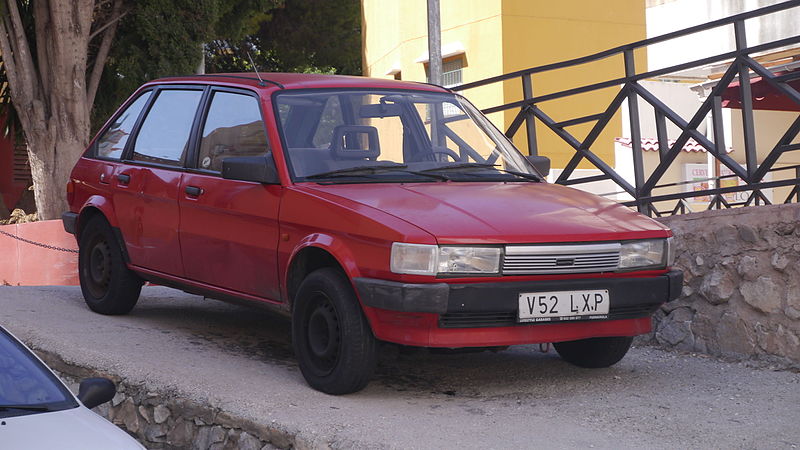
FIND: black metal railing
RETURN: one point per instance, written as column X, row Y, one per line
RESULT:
column 740, row 63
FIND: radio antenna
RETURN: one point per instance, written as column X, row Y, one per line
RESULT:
column 260, row 81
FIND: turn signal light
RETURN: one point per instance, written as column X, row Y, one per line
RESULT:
column 70, row 191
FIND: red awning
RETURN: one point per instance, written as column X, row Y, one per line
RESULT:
column 651, row 145
column 765, row 96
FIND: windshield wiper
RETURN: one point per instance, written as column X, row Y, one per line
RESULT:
column 358, row 171
column 25, row 407
column 461, row 166
column 366, row 171
column 528, row 176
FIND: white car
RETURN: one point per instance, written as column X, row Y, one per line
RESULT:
column 37, row 411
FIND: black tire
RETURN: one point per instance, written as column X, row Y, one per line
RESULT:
column 108, row 286
column 594, row 353
column 334, row 344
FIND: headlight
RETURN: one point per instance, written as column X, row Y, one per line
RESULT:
column 469, row 260
column 423, row 259
column 650, row 253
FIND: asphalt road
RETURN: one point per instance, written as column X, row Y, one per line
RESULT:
column 240, row 359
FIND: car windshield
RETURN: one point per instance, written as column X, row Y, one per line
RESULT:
column 362, row 136
column 26, row 385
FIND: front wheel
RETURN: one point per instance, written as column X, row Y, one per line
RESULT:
column 594, row 353
column 335, row 348
column 108, row 286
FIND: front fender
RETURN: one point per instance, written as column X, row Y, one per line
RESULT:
column 335, row 247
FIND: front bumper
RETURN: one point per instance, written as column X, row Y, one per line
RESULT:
column 440, row 314
column 463, row 305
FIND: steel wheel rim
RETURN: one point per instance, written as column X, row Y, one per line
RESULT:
column 98, row 270
column 323, row 340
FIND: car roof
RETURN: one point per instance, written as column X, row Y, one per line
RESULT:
column 276, row 80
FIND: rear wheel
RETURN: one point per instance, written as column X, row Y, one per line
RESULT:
column 108, row 286
column 594, row 353
column 333, row 342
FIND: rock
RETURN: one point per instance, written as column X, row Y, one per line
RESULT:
column 763, row 294
column 144, row 413
column 128, row 416
column 748, row 268
column 733, row 337
column 748, row 233
column 248, row 442
column 161, row 413
column 726, row 236
column 780, row 261
column 717, row 287
column 155, row 433
column 181, row 434
column 118, row 398
column 672, row 333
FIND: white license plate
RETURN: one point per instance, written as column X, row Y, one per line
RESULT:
column 563, row 305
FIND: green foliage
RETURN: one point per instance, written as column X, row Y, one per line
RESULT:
column 317, row 36
column 160, row 38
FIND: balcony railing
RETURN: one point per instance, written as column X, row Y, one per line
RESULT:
column 651, row 195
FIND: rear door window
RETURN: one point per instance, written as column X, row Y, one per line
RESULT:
column 233, row 127
column 112, row 142
column 163, row 137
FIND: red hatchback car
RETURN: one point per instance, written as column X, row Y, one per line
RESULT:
column 369, row 210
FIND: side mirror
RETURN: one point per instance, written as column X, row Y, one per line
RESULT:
column 96, row 391
column 250, row 168
column 541, row 163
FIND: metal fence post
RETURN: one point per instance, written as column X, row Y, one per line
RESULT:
column 530, row 121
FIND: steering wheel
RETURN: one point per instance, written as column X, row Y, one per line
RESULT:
column 430, row 156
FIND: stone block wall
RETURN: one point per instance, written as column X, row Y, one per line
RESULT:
column 741, row 294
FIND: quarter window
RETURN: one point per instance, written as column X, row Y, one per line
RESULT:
column 112, row 142
column 233, row 128
column 164, row 135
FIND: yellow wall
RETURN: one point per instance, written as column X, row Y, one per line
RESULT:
column 501, row 36
column 538, row 32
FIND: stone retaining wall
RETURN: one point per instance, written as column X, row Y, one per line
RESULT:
column 741, row 294
column 164, row 421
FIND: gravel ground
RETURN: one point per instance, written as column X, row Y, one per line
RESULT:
column 240, row 359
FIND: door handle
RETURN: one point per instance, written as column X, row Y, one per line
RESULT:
column 124, row 178
column 194, row 191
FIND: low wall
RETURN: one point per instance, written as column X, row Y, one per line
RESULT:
column 741, row 294
column 25, row 264
column 164, row 421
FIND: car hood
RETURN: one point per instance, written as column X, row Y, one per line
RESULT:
column 459, row 213
column 71, row 429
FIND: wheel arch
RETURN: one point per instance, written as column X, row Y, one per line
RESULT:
column 316, row 253
column 99, row 206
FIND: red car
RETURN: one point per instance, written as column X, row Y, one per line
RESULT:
column 369, row 210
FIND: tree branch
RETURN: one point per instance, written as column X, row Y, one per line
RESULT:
column 24, row 70
column 102, row 53
column 112, row 21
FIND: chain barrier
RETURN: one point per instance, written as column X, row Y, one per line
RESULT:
column 38, row 244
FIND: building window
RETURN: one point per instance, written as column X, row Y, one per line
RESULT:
column 451, row 72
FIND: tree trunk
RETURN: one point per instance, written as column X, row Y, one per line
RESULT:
column 49, row 87
column 51, row 165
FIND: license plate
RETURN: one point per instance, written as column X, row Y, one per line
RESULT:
column 563, row 306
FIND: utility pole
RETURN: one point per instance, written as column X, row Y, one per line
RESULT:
column 434, row 43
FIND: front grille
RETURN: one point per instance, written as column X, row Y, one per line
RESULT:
column 560, row 259
column 478, row 319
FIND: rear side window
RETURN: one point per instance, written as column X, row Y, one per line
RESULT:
column 164, row 135
column 112, row 142
column 233, row 128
